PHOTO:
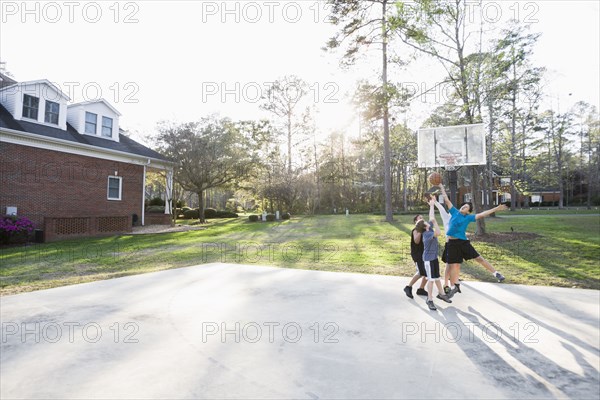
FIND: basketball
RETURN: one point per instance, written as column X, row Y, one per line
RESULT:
column 435, row 178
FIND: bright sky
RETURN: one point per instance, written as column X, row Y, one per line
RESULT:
column 182, row 60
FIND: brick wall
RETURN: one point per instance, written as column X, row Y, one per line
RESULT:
column 45, row 183
column 157, row 219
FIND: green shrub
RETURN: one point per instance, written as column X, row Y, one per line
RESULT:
column 156, row 201
column 270, row 217
column 285, row 216
column 253, row 218
column 155, row 209
column 181, row 211
column 191, row 214
column 210, row 213
column 226, row 214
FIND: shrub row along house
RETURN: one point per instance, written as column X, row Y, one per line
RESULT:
column 68, row 167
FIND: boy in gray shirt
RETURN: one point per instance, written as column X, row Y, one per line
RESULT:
column 430, row 231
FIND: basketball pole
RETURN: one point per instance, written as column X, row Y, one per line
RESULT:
column 453, row 183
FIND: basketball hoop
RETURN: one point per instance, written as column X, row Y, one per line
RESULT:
column 451, row 161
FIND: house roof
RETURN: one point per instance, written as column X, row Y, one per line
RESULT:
column 37, row 82
column 106, row 103
column 6, row 81
column 125, row 144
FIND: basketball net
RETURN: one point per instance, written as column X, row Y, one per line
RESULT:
column 451, row 161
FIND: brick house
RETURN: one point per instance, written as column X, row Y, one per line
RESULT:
column 501, row 192
column 68, row 167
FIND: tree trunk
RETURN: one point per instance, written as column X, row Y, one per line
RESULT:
column 389, row 216
column 513, row 147
column 589, row 174
column 289, row 140
column 490, row 139
column 561, row 187
column 477, row 200
column 398, row 185
column 201, row 207
column 317, row 177
column 404, row 188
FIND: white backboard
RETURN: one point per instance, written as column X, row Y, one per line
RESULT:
column 467, row 142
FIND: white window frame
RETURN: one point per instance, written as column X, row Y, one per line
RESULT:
column 46, row 112
column 37, row 109
column 105, row 126
column 120, row 178
column 85, row 121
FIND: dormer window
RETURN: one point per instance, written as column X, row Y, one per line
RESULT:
column 107, row 126
column 52, row 111
column 91, row 120
column 30, row 106
column 96, row 118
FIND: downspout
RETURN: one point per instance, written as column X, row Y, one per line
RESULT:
column 144, row 193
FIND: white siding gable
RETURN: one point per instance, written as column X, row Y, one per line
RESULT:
column 103, row 111
column 8, row 98
column 11, row 97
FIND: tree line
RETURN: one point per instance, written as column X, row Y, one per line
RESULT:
column 283, row 163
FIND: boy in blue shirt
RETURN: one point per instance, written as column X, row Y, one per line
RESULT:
column 430, row 231
column 458, row 247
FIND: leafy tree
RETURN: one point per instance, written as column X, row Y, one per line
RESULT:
column 404, row 151
column 364, row 23
column 588, row 131
column 283, row 99
column 557, row 130
column 441, row 30
column 521, row 82
column 210, row 153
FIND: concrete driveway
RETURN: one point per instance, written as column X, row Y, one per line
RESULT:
column 221, row 331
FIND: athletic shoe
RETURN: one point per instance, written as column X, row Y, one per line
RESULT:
column 452, row 292
column 408, row 291
column 421, row 292
column 444, row 297
column 446, row 289
column 431, row 305
column 458, row 287
column 500, row 277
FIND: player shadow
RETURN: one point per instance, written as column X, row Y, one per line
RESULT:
column 566, row 336
column 492, row 365
column 564, row 379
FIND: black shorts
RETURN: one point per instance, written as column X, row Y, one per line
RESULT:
column 433, row 270
column 457, row 250
column 420, row 268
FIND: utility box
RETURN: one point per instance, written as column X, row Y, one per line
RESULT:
column 38, row 235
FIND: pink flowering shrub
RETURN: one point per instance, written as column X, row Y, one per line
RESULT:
column 14, row 227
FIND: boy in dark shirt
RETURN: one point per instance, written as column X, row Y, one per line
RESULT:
column 416, row 252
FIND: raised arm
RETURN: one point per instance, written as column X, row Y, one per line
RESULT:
column 446, row 199
column 431, row 209
column 443, row 213
column 486, row 213
column 436, row 227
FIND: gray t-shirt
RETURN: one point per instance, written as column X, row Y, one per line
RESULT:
column 430, row 244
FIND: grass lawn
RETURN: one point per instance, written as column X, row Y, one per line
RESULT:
column 540, row 249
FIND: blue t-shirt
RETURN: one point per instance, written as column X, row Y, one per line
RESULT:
column 430, row 244
column 458, row 224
